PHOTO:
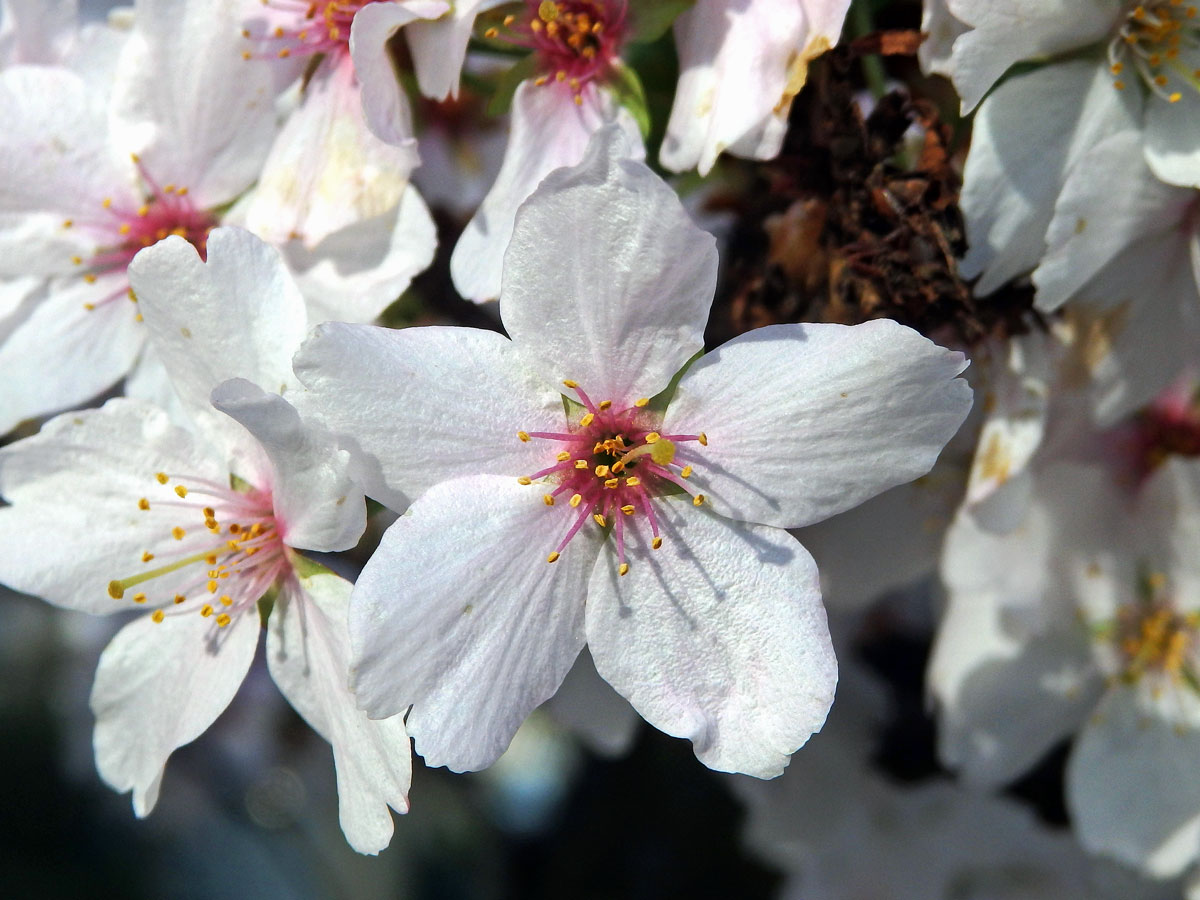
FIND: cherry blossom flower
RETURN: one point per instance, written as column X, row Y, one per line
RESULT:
column 741, row 64
column 1081, row 619
column 575, row 49
column 575, row 485
column 117, row 509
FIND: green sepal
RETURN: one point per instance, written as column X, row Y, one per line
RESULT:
column 652, row 18
column 507, row 84
column 627, row 87
column 305, row 567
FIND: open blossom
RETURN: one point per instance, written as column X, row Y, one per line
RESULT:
column 575, row 54
column 568, row 490
column 117, row 509
column 1084, row 619
column 741, row 64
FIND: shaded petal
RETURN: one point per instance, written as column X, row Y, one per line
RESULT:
column 548, row 131
column 458, row 396
column 358, row 271
column 607, row 281
column 326, row 169
column 36, row 31
column 804, row 421
column 236, row 315
column 1173, row 130
column 459, row 615
column 318, row 505
column 146, row 700
column 942, row 29
column 74, row 524
column 718, row 637
column 184, row 99
column 308, row 652
column 596, row 714
column 439, row 47
column 1027, row 137
column 384, row 104
column 64, row 354
column 1133, row 788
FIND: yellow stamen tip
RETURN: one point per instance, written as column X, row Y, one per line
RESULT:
column 157, row 616
column 162, row 478
column 524, row 479
column 116, row 590
column 547, row 499
column 703, row 439
column 587, row 420
column 576, row 499
column 567, row 382
column 656, row 543
column 143, row 504
column 223, row 620
column 652, row 437
column 599, row 519
column 139, row 598
column 604, row 404
column 698, row 500
column 147, row 556
column 641, row 401
column 179, row 598
column 178, row 533
column 623, row 569
column 206, row 610
column 524, row 436
column 181, row 490
column 685, row 472
column 553, row 557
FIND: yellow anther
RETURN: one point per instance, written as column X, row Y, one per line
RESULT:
column 147, row 556
column 178, row 533
column 628, row 509
column 632, row 481
column 563, row 456
column 576, row 499
column 548, row 10
column 553, row 557
column 1116, row 68
column 604, row 404
column 541, row 79
column 106, row 202
column 206, row 610
column 599, row 519
column 698, row 500
column 524, row 479
column 233, row 545
column 567, row 382
column 685, row 472
column 209, row 512
column 560, row 75
column 547, row 499
column 89, row 306
column 641, row 401
column 89, row 278
column 491, row 33
column 139, row 598
column 618, row 467
column 67, row 223
column 1175, row 97
column 652, row 437
column 623, row 569
column 508, row 20
column 223, row 620
column 157, row 616
column 1160, row 80
column 1119, row 85
column 162, row 478
column 125, row 228
column 656, row 543
column 143, row 211
column 77, row 260
column 601, row 471
column 211, row 587
column 703, row 439
column 524, row 436
column 578, row 100
column 581, row 463
column 116, row 590
column 587, row 420
column 226, row 600
column 179, row 598
column 181, row 490
column 611, row 483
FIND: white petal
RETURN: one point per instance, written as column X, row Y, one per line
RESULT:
column 1004, row 33
column 1027, row 136
column 64, row 354
column 548, row 131
column 384, row 103
column 439, row 47
column 1109, row 201
column 804, row 421
column 459, row 615
column 74, row 524
column 186, row 102
column 238, row 315
column 942, row 29
column 308, row 652
column 326, row 169
column 36, row 31
column 358, row 271
column 1173, row 130
column 1012, row 670
column 718, row 637
column 607, row 281
column 316, row 503
column 1132, row 784
column 158, row 687
column 457, row 395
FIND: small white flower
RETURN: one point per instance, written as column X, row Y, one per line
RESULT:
column 567, row 491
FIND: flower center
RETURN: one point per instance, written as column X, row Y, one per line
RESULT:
column 611, row 466
column 121, row 231
column 1169, row 426
column 321, row 26
column 574, row 41
column 223, row 565
column 1150, row 41
column 1153, row 639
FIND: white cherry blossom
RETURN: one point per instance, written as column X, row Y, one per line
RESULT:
column 567, row 490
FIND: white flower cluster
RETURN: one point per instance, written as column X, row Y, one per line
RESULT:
column 204, row 204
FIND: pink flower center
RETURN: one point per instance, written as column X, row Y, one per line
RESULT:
column 611, row 466
column 322, row 26
column 575, row 41
column 225, row 552
column 121, row 231
column 1169, row 426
